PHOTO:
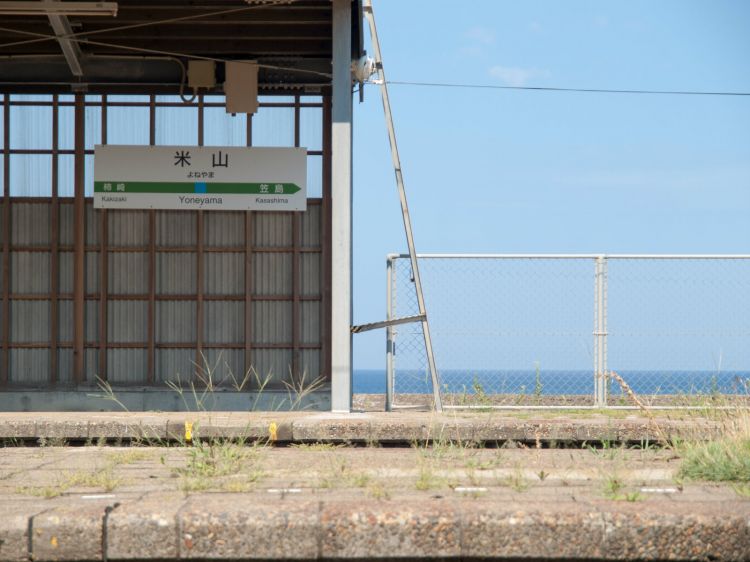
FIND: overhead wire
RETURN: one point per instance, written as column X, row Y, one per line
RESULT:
column 558, row 89
column 82, row 37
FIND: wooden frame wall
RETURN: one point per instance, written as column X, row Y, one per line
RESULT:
column 105, row 249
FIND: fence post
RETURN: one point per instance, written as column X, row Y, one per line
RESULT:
column 600, row 333
column 389, row 336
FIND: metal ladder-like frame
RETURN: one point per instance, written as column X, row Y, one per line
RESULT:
column 422, row 316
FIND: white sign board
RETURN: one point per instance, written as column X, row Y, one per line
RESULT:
column 200, row 178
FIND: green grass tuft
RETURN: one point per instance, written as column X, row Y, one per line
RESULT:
column 724, row 460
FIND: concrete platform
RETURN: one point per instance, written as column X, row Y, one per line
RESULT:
column 334, row 502
column 556, row 427
column 323, row 486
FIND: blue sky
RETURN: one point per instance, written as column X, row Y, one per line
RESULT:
column 523, row 171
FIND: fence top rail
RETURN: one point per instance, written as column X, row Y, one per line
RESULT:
column 580, row 256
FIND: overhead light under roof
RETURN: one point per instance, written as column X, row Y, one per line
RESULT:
column 47, row 8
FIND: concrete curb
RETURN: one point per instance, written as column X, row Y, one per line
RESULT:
column 236, row 527
column 348, row 428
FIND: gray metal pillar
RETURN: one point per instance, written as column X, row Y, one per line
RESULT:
column 389, row 340
column 341, row 209
column 600, row 333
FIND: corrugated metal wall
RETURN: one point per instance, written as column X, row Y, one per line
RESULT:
column 166, row 293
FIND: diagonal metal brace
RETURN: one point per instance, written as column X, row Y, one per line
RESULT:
column 386, row 323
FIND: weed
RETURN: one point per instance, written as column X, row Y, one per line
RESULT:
column 427, row 479
column 485, row 462
column 612, row 486
column 517, row 481
column 103, row 479
column 317, row 446
column 542, row 475
column 47, row 492
column 480, row 396
column 377, row 491
column 127, row 457
column 643, row 407
column 202, row 387
column 538, row 386
column 244, row 483
column 723, row 460
column 608, row 451
column 340, row 474
column 360, row 480
column 52, row 442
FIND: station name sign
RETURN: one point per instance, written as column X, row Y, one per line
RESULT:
column 200, row 178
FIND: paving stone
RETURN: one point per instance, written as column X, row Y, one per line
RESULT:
column 330, row 427
column 239, row 527
column 551, row 430
column 145, row 530
column 14, row 529
column 451, row 428
column 126, row 430
column 426, row 529
column 51, row 428
column 399, row 429
column 70, row 532
column 500, row 429
column 637, row 532
column 18, row 428
column 526, row 530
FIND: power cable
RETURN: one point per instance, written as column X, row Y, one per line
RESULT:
column 556, row 89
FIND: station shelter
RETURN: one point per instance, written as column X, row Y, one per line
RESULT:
column 191, row 305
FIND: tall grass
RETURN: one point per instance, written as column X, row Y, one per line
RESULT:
column 724, row 459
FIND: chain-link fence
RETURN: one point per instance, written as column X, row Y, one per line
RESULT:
column 547, row 330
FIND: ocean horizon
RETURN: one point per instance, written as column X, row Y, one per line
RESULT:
column 550, row 382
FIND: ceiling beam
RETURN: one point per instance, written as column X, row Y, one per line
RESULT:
column 70, row 49
column 37, row 8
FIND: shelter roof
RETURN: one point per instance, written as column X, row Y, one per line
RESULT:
column 146, row 46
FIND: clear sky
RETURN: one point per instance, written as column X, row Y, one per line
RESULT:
column 524, row 171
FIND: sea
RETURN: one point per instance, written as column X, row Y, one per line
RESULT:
column 373, row 381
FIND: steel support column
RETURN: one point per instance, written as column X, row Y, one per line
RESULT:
column 341, row 203
column 54, row 265
column 5, row 367
column 325, row 257
column 79, row 240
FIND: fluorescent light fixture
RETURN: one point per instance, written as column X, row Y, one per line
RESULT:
column 47, row 8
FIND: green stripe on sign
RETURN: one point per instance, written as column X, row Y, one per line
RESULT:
column 218, row 188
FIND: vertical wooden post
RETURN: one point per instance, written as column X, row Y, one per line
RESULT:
column 5, row 368
column 199, row 263
column 296, row 218
column 325, row 331
column 54, row 266
column 151, row 354
column 249, row 269
column 103, row 267
column 79, row 239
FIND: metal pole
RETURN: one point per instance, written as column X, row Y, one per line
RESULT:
column 604, row 334
column 341, row 209
column 389, row 337
column 599, row 333
column 404, row 206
